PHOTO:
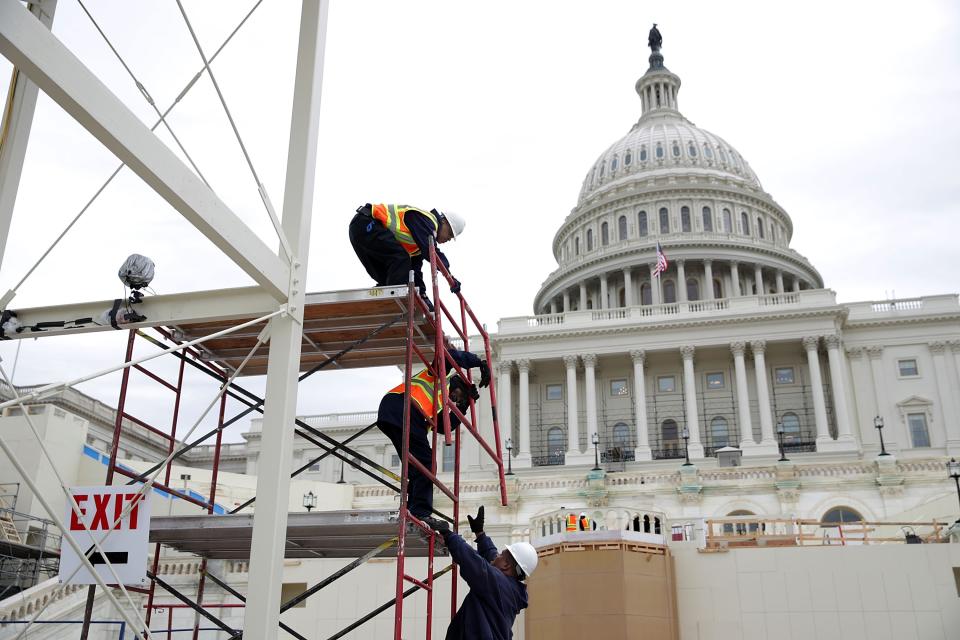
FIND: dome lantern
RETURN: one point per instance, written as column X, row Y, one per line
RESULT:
column 658, row 87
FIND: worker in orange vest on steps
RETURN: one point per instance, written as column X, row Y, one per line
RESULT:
column 390, row 422
column 392, row 239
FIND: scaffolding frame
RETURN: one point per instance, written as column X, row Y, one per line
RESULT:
column 440, row 362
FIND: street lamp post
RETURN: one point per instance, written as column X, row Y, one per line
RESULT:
column 953, row 469
column 686, row 449
column 595, row 439
column 878, row 423
column 309, row 501
column 780, row 432
column 509, row 445
column 341, row 480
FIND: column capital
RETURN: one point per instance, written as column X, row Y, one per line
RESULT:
column 570, row 362
column 687, row 352
column 811, row 343
column 707, row 263
column 875, row 351
column 524, row 365
column 855, row 352
column 627, row 269
column 758, row 346
column 832, row 341
column 505, row 366
column 937, row 347
column 680, row 261
column 954, row 345
column 603, row 276
column 638, row 356
column 738, row 347
column 734, row 263
column 589, row 359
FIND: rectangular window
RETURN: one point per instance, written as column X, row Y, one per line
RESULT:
column 666, row 384
column 907, row 368
column 394, row 461
column 784, row 375
column 715, row 380
column 314, row 467
column 448, row 457
column 919, row 435
column 618, row 388
column 554, row 392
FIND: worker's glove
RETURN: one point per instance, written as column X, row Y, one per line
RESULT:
column 455, row 287
column 476, row 524
column 474, row 394
column 438, row 525
column 484, row 375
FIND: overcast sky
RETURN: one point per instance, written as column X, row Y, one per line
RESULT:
column 847, row 111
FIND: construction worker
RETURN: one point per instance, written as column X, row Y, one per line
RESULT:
column 390, row 422
column 392, row 239
column 497, row 592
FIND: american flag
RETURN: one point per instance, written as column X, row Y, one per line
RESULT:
column 662, row 263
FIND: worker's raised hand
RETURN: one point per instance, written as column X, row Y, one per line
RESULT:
column 438, row 525
column 455, row 287
column 484, row 375
column 474, row 394
column 476, row 524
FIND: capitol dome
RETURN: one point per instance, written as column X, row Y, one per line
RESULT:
column 671, row 183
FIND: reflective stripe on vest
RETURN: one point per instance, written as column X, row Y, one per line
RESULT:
column 391, row 216
column 421, row 392
column 571, row 522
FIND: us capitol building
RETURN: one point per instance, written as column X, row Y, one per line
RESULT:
column 620, row 375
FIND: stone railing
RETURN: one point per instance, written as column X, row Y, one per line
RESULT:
column 23, row 605
column 877, row 309
column 351, row 419
column 572, row 525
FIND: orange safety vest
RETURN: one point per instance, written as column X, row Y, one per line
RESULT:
column 391, row 216
column 584, row 523
column 421, row 392
column 571, row 522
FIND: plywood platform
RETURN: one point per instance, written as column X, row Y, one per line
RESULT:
column 323, row 534
column 333, row 321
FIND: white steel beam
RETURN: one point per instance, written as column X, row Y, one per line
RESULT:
column 161, row 311
column 41, row 56
column 15, row 129
column 273, row 480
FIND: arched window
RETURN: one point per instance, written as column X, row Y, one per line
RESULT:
column 646, row 524
column 717, row 288
column 691, row 149
column 664, row 221
column 670, row 437
column 707, row 219
column 621, row 435
column 636, row 523
column 760, row 228
column 740, row 527
column 590, row 239
column 645, row 294
column 643, row 153
column 627, row 159
column 659, row 150
column 602, row 166
column 727, row 221
column 642, row 223
column 614, row 164
column 556, row 445
column 791, row 427
column 693, row 289
column 576, row 246
column 669, row 292
column 745, row 222
column 773, row 232
column 604, row 234
column 656, row 525
column 723, row 156
column 622, row 228
column 719, row 432
column 707, row 151
column 676, row 149
column 685, row 219
column 841, row 515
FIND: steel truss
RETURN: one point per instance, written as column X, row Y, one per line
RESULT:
column 420, row 327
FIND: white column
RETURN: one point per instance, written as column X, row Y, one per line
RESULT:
column 553, row 306
column 654, row 286
column 590, row 387
column 505, row 398
column 708, row 276
column 691, row 414
column 952, row 427
column 604, row 303
column 810, row 344
column 642, row 450
column 758, row 279
column 864, row 400
column 573, row 433
column 583, row 296
column 681, row 281
column 767, row 438
column 269, row 534
column 953, row 421
column 796, row 284
column 566, row 301
column 743, row 397
column 627, row 288
column 734, row 280
column 838, row 378
column 523, row 399
column 779, row 277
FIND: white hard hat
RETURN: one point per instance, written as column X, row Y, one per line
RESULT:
column 456, row 221
column 525, row 556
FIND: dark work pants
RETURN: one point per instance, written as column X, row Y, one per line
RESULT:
column 385, row 260
column 419, row 487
